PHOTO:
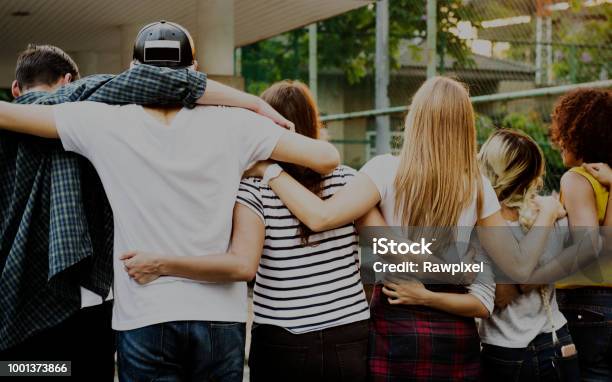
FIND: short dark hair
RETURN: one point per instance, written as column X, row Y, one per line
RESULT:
column 43, row 65
column 581, row 124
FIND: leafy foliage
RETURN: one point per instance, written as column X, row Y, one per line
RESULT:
column 347, row 42
column 585, row 52
column 5, row 95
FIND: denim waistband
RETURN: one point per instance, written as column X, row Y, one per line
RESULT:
column 545, row 339
column 587, row 291
column 597, row 299
column 542, row 341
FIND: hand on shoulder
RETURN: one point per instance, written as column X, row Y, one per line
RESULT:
column 600, row 171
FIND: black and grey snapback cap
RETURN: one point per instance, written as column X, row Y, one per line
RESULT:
column 164, row 44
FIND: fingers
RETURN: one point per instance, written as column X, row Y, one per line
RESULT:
column 127, row 255
column 591, row 168
column 139, row 277
column 389, row 292
column 391, row 285
column 288, row 125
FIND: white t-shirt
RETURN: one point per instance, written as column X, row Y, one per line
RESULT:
column 525, row 318
column 89, row 298
column 172, row 190
column 382, row 171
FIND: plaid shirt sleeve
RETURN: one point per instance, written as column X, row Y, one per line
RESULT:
column 142, row 85
column 57, row 227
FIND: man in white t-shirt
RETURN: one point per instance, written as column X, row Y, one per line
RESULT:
column 172, row 176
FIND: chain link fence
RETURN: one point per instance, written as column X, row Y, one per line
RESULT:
column 495, row 47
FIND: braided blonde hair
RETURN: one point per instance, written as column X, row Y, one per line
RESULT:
column 514, row 163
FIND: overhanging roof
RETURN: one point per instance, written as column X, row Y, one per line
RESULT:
column 92, row 25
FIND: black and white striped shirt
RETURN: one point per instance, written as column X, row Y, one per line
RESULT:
column 305, row 288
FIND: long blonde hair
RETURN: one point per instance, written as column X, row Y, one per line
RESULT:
column 438, row 174
column 515, row 164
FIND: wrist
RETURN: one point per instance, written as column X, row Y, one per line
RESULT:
column 257, row 104
column 549, row 216
column 429, row 298
column 162, row 266
column 271, row 172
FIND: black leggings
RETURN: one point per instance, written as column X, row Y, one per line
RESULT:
column 333, row 354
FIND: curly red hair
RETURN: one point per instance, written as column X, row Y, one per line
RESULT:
column 582, row 124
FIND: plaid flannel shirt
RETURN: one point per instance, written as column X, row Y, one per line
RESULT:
column 56, row 226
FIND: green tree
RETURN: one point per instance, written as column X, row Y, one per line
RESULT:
column 585, row 52
column 347, row 42
column 5, row 95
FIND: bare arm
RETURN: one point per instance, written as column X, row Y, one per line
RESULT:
column 35, row 120
column 518, row 259
column 581, row 206
column 316, row 154
column 603, row 174
column 415, row 293
column 505, row 294
column 218, row 94
column 579, row 201
column 239, row 264
column 352, row 201
column 571, row 260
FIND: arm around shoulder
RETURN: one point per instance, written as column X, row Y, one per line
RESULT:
column 318, row 155
column 35, row 120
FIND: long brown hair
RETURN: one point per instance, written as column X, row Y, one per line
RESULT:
column 295, row 102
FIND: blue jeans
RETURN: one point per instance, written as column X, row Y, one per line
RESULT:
column 182, row 351
column 538, row 362
column 589, row 314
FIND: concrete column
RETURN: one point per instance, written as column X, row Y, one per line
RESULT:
column 128, row 35
column 214, row 38
column 87, row 62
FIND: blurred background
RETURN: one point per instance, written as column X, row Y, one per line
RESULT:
column 363, row 59
column 514, row 55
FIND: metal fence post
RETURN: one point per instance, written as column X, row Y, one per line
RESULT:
column 432, row 26
column 312, row 59
column 383, row 122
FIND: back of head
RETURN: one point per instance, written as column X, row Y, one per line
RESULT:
column 438, row 175
column 581, row 124
column 294, row 101
column 43, row 65
column 164, row 44
column 515, row 165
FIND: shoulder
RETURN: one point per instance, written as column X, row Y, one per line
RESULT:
column 381, row 170
column 251, row 183
column 344, row 171
column 381, row 167
column 339, row 177
column 241, row 115
column 94, row 111
column 249, row 195
column 573, row 183
column 382, row 161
